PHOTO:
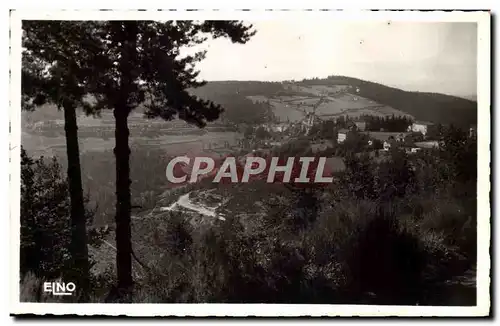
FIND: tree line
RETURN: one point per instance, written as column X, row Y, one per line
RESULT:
column 388, row 123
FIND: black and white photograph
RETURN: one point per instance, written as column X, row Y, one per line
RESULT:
column 295, row 163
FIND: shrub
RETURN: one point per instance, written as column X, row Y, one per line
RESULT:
column 45, row 219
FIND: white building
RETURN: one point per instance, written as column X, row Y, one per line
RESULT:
column 473, row 132
column 412, row 150
column 342, row 135
column 276, row 127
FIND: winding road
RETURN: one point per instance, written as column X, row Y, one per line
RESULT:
column 185, row 202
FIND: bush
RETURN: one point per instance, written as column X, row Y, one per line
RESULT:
column 392, row 231
column 356, row 250
column 45, row 219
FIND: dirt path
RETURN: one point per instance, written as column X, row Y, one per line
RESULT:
column 184, row 201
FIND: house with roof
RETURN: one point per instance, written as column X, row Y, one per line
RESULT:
column 342, row 135
column 388, row 139
column 387, row 145
column 420, row 126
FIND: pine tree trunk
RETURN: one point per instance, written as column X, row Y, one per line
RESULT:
column 122, row 219
column 127, row 35
column 79, row 250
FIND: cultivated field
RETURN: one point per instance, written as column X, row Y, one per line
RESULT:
column 340, row 100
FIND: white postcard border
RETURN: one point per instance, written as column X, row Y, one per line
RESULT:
column 268, row 310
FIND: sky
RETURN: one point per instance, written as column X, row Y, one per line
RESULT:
column 414, row 56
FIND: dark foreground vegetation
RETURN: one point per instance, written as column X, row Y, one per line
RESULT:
column 396, row 231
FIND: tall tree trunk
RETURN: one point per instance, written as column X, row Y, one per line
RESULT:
column 123, row 201
column 127, row 35
column 123, row 230
column 79, row 250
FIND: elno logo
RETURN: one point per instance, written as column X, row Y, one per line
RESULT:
column 59, row 288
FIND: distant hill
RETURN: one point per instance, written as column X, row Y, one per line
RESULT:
column 253, row 100
column 434, row 107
